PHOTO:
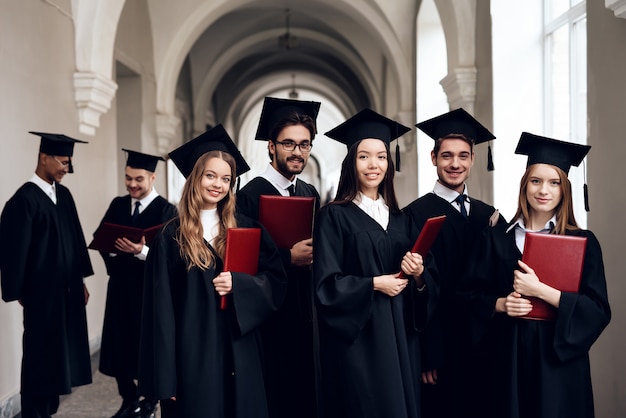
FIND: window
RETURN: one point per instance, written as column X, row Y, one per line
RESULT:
column 565, row 92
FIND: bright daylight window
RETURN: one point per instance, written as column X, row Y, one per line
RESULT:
column 565, row 92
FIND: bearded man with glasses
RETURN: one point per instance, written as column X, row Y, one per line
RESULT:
column 289, row 337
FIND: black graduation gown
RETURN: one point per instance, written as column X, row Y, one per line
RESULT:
column 369, row 341
column 43, row 259
column 540, row 369
column 207, row 357
column 120, row 331
column 446, row 343
column 290, row 336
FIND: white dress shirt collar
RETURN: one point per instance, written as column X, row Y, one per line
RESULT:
column 144, row 202
column 47, row 188
column 280, row 182
column 376, row 209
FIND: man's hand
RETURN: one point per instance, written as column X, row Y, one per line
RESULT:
column 127, row 246
column 302, row 253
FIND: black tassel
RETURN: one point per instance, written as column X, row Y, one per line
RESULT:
column 586, row 196
column 238, row 183
column 397, row 156
column 490, row 166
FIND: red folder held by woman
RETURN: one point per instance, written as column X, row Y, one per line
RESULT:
column 242, row 252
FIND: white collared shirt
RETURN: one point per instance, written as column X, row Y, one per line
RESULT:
column 376, row 209
column 143, row 202
column 450, row 195
column 143, row 205
column 520, row 231
column 47, row 188
column 210, row 220
column 280, row 182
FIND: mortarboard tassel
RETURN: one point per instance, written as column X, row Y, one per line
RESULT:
column 585, row 188
column 238, row 183
column 490, row 166
column 398, row 156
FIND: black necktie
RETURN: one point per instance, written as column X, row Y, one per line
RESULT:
column 292, row 190
column 460, row 199
column 136, row 211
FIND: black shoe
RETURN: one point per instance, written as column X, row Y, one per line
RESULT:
column 148, row 408
column 129, row 409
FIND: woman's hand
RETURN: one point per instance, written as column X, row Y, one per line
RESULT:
column 223, row 283
column 514, row 305
column 526, row 282
column 412, row 264
column 390, row 284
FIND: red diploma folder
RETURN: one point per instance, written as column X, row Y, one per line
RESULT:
column 558, row 262
column 106, row 234
column 427, row 237
column 288, row 219
column 242, row 252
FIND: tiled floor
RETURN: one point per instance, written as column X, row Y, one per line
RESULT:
column 97, row 400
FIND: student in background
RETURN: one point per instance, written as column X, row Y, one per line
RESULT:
column 369, row 316
column 540, row 368
column 199, row 360
column 43, row 261
column 451, row 367
column 141, row 208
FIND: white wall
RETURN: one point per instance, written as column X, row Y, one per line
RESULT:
column 606, row 114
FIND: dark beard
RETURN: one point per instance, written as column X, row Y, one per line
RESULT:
column 282, row 166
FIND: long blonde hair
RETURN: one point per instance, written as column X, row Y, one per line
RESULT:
column 564, row 212
column 190, row 233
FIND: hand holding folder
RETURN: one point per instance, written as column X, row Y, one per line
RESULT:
column 287, row 219
column 427, row 237
column 558, row 262
column 107, row 233
column 242, row 252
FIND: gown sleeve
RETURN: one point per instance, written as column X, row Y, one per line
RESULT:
column 256, row 297
column 158, row 323
column 16, row 230
column 583, row 316
column 480, row 287
column 344, row 300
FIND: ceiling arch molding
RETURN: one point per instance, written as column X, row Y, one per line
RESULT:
column 224, row 63
column 171, row 48
column 617, row 6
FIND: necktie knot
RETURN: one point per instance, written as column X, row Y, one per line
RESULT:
column 291, row 189
column 136, row 211
column 460, row 199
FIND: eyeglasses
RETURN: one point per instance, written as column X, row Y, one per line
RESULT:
column 65, row 163
column 304, row 146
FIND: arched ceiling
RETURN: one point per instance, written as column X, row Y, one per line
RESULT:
column 347, row 50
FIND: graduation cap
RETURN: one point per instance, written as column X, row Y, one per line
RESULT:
column 562, row 154
column 274, row 110
column 137, row 159
column 58, row 145
column 369, row 124
column 458, row 121
column 215, row 139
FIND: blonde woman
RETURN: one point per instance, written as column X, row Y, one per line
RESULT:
column 198, row 359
